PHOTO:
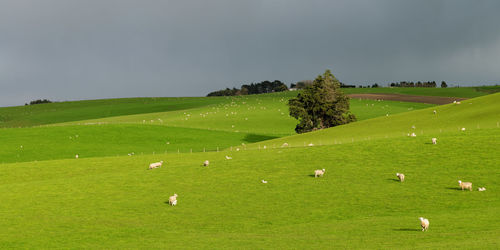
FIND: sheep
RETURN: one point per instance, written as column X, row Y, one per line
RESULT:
column 263, row 181
column 228, row 157
column 465, row 185
column 434, row 140
column 463, row 129
column 413, row 135
column 310, row 144
column 481, row 189
column 155, row 165
column 424, row 223
column 319, row 172
column 76, row 156
column 458, row 102
column 435, row 111
column 206, row 163
column 401, row 177
column 284, row 145
column 172, row 200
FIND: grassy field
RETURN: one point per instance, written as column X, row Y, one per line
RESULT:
column 32, row 115
column 107, row 199
column 466, row 92
column 115, row 202
column 233, row 122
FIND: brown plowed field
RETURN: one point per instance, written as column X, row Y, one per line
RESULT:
column 408, row 98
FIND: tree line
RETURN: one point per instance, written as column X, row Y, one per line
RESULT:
column 39, row 101
column 252, row 89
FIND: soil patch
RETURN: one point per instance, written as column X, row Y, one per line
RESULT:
column 408, row 98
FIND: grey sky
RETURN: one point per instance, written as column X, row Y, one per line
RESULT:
column 87, row 49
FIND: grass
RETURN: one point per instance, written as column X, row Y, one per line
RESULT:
column 102, row 200
column 42, row 114
column 465, row 92
column 266, row 115
column 115, row 202
column 477, row 113
column 234, row 122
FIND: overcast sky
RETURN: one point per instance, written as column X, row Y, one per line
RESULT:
column 88, row 49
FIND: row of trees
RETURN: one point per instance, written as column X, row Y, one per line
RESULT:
column 39, row 101
column 305, row 83
column 418, row 84
column 253, row 88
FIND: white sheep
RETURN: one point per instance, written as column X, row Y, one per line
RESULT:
column 435, row 111
column 284, row 145
column 463, row 129
column 172, row 200
column 481, row 189
column 155, row 164
column 458, row 102
column 263, row 181
column 465, row 185
column 424, row 223
column 401, row 177
column 228, row 157
column 76, row 156
column 310, row 144
column 319, row 172
column 434, row 140
column 413, row 135
column 206, row 163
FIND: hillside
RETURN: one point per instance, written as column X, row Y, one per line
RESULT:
column 478, row 113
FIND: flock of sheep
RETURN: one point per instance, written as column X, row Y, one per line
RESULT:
column 320, row 172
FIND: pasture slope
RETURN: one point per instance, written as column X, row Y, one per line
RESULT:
column 114, row 202
column 210, row 127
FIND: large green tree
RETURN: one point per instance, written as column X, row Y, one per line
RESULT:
column 321, row 105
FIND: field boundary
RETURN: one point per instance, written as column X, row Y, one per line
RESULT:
column 440, row 100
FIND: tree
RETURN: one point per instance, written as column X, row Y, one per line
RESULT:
column 321, row 105
column 443, row 84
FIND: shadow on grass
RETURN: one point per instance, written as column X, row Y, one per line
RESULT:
column 251, row 138
column 392, row 179
column 406, row 229
column 454, row 188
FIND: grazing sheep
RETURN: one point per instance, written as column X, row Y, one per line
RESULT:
column 413, row 135
column 465, row 185
column 76, row 156
column 463, row 129
column 310, row 144
column 319, row 172
column 284, row 145
column 206, row 163
column 424, row 223
column 401, row 177
column 155, row 165
column 434, row 140
column 228, row 157
column 435, row 111
column 263, row 181
column 455, row 102
column 458, row 102
column 172, row 199
column 481, row 189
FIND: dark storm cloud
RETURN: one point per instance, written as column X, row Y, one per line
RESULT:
column 66, row 50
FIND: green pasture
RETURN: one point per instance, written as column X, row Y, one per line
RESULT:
column 59, row 112
column 114, row 202
column 266, row 115
column 478, row 113
column 465, row 92
column 107, row 198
